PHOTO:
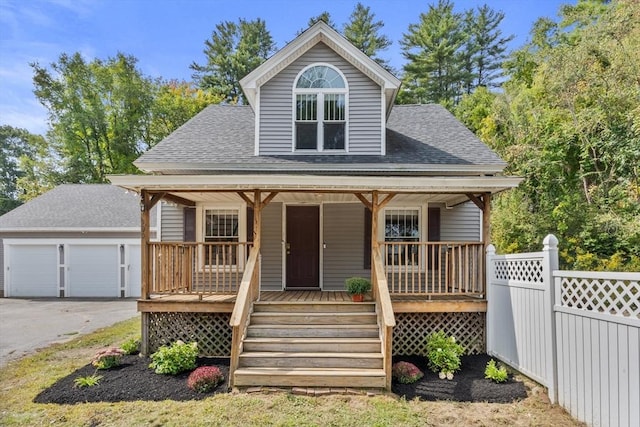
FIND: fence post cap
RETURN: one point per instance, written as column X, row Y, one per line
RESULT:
column 491, row 250
column 550, row 242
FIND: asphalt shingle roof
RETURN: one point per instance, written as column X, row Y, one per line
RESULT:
column 77, row 206
column 223, row 135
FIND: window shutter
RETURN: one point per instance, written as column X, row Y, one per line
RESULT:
column 249, row 224
column 189, row 224
column 433, row 233
column 367, row 239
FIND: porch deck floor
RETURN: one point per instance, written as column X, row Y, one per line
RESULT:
column 223, row 303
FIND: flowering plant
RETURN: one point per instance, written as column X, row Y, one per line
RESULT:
column 406, row 373
column 205, row 379
column 107, row 358
column 444, row 354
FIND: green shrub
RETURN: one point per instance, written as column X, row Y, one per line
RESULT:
column 131, row 346
column 406, row 373
column 444, row 354
column 175, row 358
column 88, row 381
column 357, row 285
column 205, row 379
column 107, row 358
column 492, row 372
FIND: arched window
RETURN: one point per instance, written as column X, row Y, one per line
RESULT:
column 320, row 109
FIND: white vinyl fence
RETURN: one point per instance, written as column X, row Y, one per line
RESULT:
column 578, row 333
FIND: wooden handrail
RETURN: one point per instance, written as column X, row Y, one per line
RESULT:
column 247, row 294
column 382, row 291
column 384, row 310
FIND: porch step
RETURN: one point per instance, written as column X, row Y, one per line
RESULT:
column 310, row 377
column 286, row 359
column 322, row 318
column 315, row 307
column 328, row 344
column 317, row 344
column 313, row 331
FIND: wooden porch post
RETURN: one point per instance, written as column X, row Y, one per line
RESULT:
column 257, row 232
column 145, row 268
column 486, row 219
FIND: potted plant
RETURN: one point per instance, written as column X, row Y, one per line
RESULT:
column 357, row 287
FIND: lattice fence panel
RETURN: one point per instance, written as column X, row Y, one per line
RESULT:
column 210, row 330
column 410, row 333
column 616, row 297
column 522, row 270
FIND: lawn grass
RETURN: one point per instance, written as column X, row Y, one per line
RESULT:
column 22, row 380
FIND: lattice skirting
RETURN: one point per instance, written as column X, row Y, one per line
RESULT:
column 410, row 333
column 210, row 330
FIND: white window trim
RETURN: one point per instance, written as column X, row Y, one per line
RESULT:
column 320, row 111
column 422, row 226
column 201, row 210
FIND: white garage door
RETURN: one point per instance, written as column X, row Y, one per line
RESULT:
column 93, row 271
column 32, row 270
column 134, row 269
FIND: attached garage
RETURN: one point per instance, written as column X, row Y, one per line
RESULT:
column 75, row 241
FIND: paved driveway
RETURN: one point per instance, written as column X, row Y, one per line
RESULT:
column 29, row 324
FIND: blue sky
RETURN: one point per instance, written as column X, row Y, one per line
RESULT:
column 168, row 35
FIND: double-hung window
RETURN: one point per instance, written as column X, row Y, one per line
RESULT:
column 320, row 110
column 401, row 227
column 221, row 228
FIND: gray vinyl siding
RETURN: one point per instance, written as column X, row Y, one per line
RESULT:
column 276, row 116
column 171, row 227
column 272, row 247
column 463, row 223
column 343, row 226
column 1, row 269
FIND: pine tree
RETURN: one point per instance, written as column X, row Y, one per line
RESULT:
column 363, row 32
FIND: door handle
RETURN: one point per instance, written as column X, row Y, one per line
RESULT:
column 288, row 248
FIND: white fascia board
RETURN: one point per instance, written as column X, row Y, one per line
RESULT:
column 439, row 184
column 70, row 229
column 300, row 45
column 323, row 168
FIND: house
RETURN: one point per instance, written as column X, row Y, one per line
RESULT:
column 73, row 241
column 321, row 177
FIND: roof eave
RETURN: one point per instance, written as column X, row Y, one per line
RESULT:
column 319, row 32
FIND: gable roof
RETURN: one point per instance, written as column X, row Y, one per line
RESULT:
column 420, row 139
column 77, row 207
column 319, row 32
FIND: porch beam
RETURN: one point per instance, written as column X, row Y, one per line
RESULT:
column 476, row 200
column 386, row 200
column 179, row 200
column 268, row 199
column 246, row 199
column 155, row 198
column 364, row 200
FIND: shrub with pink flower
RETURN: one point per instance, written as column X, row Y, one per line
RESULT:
column 205, row 379
column 406, row 373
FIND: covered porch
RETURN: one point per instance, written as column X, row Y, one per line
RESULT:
column 410, row 273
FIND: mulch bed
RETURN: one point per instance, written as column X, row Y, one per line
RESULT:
column 134, row 380
column 467, row 385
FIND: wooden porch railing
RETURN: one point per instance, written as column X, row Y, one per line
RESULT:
column 424, row 268
column 384, row 310
column 248, row 292
column 197, row 268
